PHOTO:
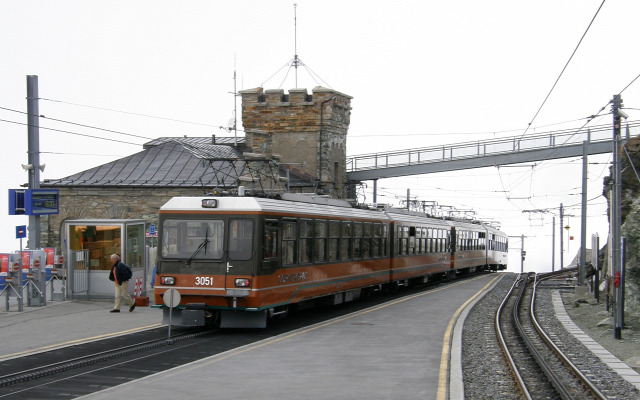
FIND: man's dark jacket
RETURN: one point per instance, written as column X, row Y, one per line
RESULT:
column 119, row 272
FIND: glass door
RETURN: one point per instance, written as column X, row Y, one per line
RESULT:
column 134, row 247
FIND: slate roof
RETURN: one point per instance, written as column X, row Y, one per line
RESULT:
column 167, row 162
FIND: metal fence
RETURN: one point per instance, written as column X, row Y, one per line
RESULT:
column 551, row 140
column 79, row 272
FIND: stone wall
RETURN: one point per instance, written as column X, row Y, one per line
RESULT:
column 307, row 131
column 108, row 203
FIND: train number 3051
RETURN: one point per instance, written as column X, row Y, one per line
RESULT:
column 204, row 281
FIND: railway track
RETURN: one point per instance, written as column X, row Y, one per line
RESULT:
column 539, row 366
column 32, row 367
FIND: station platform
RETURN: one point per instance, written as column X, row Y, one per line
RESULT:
column 377, row 353
column 379, row 350
column 65, row 323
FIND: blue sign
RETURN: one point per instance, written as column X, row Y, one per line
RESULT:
column 21, row 231
column 152, row 230
column 34, row 202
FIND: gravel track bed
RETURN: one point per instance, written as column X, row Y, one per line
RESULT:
column 485, row 372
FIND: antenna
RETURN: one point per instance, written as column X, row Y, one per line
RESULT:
column 235, row 104
column 296, row 61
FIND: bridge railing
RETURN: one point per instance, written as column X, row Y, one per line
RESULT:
column 508, row 145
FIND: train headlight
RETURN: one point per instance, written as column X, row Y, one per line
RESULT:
column 243, row 282
column 209, row 203
column 167, row 280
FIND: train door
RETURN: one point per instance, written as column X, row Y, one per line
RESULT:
column 453, row 241
column 270, row 247
column 241, row 247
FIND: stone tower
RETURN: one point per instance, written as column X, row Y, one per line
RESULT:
column 305, row 131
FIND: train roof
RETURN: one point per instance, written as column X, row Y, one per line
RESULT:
column 310, row 206
column 268, row 205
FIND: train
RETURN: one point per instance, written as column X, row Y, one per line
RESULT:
column 238, row 261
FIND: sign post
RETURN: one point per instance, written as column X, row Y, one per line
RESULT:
column 171, row 298
column 21, row 232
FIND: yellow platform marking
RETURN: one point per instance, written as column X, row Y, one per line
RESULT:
column 446, row 345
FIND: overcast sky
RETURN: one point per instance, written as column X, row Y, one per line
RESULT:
column 421, row 73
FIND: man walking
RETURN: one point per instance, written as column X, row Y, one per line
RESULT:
column 120, row 275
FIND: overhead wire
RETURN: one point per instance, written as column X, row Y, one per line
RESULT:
column 71, row 133
column 564, row 68
column 76, row 124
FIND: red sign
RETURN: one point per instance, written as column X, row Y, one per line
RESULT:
column 26, row 258
column 4, row 263
column 51, row 253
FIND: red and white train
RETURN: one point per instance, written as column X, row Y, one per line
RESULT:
column 236, row 261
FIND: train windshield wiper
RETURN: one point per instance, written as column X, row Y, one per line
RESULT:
column 203, row 245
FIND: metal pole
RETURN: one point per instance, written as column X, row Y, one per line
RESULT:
column 553, row 245
column 583, row 220
column 616, row 218
column 522, row 253
column 20, row 287
column 595, row 249
column 622, row 279
column 375, row 191
column 561, row 239
column 33, row 130
column 170, row 314
column 408, row 198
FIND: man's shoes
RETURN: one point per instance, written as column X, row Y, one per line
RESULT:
column 133, row 306
column 114, row 310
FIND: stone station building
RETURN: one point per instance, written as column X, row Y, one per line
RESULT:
column 293, row 142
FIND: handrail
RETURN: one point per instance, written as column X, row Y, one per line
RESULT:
column 515, row 144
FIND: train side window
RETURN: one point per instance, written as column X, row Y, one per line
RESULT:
column 288, row 242
column 320, row 241
column 305, row 242
column 436, row 240
column 446, row 241
column 376, row 245
column 357, row 240
column 403, row 239
column 385, row 240
column 345, row 241
column 240, row 239
column 412, row 240
column 366, row 240
column 334, row 237
column 270, row 249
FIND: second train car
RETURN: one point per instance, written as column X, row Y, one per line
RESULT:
column 236, row 261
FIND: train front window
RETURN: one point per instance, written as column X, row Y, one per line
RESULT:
column 240, row 239
column 192, row 239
